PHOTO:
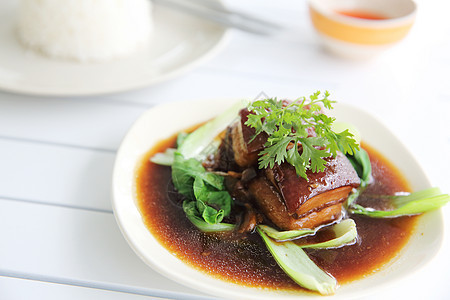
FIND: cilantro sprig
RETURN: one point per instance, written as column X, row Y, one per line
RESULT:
column 288, row 126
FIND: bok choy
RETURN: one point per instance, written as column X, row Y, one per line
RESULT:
column 207, row 201
column 344, row 231
column 296, row 263
column 405, row 205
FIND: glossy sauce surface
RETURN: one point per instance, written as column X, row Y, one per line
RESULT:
column 243, row 258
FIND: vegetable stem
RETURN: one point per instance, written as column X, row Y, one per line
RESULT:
column 197, row 144
column 296, row 263
column 412, row 204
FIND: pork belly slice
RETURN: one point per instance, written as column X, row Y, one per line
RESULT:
column 322, row 189
column 271, row 204
column 246, row 152
column 245, row 145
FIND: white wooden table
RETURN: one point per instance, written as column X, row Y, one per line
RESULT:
column 58, row 235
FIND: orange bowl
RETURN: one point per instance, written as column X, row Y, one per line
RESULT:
column 361, row 28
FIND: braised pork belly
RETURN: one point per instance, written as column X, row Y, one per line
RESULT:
column 287, row 200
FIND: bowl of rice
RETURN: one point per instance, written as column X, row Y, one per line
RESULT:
column 85, row 30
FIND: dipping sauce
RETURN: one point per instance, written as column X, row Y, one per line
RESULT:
column 362, row 15
column 243, row 258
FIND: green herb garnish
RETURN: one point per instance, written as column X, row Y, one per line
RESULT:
column 288, row 126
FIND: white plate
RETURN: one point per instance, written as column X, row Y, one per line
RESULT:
column 154, row 125
column 178, row 43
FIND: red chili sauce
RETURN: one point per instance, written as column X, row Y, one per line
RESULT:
column 362, row 15
column 243, row 258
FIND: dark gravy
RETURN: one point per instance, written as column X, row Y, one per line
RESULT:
column 243, row 258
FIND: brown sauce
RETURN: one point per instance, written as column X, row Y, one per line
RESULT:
column 243, row 258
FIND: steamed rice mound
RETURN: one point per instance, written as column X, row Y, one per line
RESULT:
column 85, row 30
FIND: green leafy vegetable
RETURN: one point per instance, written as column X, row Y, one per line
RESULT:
column 200, row 143
column 181, row 137
column 286, row 235
column 412, row 204
column 345, row 233
column 361, row 163
column 190, row 209
column 212, row 204
column 288, row 127
column 207, row 202
column 296, row 263
column 204, row 188
column 166, row 158
column 185, row 171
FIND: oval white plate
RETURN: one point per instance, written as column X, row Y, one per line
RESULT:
column 163, row 121
column 178, row 43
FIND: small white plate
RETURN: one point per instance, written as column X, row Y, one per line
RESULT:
column 164, row 121
column 178, row 43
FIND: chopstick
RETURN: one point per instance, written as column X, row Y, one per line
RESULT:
column 215, row 12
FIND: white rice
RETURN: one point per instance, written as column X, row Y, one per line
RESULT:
column 85, row 30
